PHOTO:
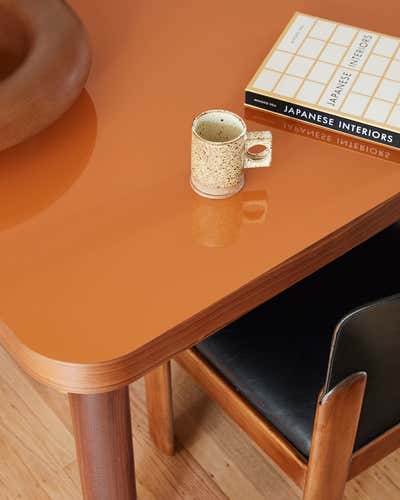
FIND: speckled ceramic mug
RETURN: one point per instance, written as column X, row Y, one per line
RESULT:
column 221, row 149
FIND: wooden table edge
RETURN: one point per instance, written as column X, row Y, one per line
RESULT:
column 110, row 375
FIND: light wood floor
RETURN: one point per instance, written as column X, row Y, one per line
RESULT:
column 215, row 459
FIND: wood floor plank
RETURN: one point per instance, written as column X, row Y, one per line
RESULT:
column 215, row 459
column 373, row 485
column 215, row 441
column 162, row 476
column 35, row 445
column 16, row 478
column 158, row 476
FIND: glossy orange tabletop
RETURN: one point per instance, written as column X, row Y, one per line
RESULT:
column 109, row 263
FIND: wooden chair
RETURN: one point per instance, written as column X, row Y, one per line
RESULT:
column 266, row 371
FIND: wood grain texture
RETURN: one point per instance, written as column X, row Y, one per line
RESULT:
column 374, row 451
column 159, row 407
column 103, row 437
column 335, row 429
column 269, row 440
column 214, row 459
column 45, row 61
column 35, row 445
column 240, row 411
column 115, row 373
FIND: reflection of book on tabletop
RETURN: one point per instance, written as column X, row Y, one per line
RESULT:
column 273, row 120
column 335, row 76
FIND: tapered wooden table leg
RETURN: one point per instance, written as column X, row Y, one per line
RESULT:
column 103, row 437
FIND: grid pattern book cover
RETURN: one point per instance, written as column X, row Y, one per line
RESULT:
column 333, row 75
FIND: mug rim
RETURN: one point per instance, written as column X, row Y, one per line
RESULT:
column 208, row 111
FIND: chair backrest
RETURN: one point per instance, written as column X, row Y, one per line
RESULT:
column 368, row 339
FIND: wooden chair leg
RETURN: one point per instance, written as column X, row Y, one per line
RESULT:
column 335, row 429
column 159, row 407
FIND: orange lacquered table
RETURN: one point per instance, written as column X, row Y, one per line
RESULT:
column 110, row 264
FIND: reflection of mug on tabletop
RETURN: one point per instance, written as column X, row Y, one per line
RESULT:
column 218, row 223
column 221, row 149
column 254, row 207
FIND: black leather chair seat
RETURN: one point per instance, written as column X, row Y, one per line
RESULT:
column 276, row 356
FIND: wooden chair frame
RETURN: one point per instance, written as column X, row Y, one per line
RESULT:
column 331, row 462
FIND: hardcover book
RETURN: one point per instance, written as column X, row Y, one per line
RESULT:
column 335, row 76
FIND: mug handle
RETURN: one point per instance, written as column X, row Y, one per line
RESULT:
column 258, row 149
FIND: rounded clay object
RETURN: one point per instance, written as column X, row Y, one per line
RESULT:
column 44, row 64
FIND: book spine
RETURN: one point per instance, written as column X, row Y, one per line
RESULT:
column 323, row 119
